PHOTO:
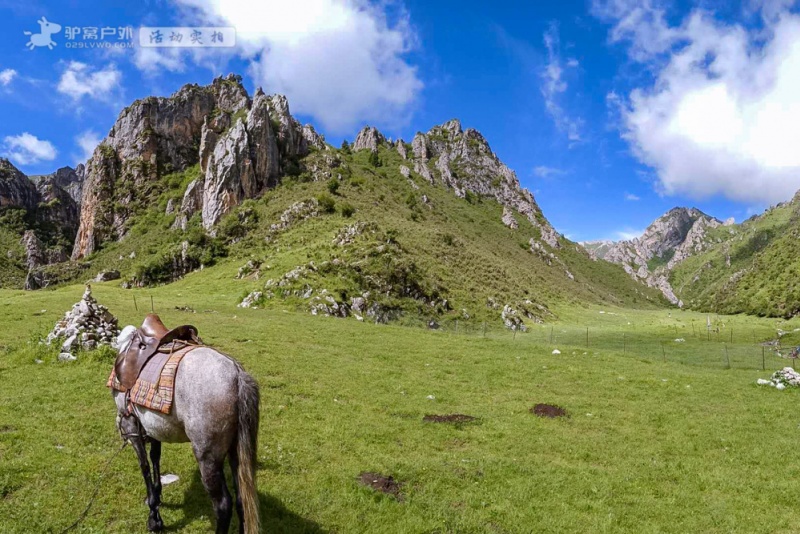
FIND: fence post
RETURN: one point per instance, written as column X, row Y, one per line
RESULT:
column 516, row 327
column 134, row 304
column 727, row 358
column 663, row 351
column 763, row 359
column 551, row 335
column 731, row 335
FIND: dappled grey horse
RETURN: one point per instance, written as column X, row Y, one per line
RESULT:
column 215, row 407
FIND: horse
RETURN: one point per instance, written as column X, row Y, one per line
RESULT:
column 216, row 408
column 43, row 38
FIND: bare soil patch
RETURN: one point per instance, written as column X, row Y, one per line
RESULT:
column 387, row 485
column 549, row 410
column 449, row 418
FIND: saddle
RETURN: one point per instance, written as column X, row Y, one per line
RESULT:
column 151, row 337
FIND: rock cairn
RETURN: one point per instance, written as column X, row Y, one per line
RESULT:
column 87, row 325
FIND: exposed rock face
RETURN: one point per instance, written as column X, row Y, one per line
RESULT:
column 242, row 146
column 508, row 219
column 673, row 237
column 462, row 161
column 401, row 148
column 16, row 191
column 68, row 179
column 150, row 136
column 57, row 209
column 369, row 138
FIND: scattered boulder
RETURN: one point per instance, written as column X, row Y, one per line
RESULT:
column 87, row 325
column 251, row 300
column 107, row 276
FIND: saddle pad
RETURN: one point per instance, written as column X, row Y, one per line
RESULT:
column 155, row 387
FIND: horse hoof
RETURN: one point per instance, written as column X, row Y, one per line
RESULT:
column 155, row 525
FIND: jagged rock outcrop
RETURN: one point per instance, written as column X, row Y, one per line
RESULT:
column 669, row 240
column 242, row 145
column 508, row 219
column 69, row 179
column 57, row 210
column 462, row 161
column 51, row 217
column 16, row 191
column 369, row 138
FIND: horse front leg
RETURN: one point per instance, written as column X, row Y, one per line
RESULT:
column 129, row 426
column 155, row 459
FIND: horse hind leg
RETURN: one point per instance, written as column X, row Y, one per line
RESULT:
column 213, row 475
column 130, row 428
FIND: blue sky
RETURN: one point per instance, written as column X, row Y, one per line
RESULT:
column 610, row 111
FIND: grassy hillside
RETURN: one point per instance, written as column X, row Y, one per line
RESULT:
column 752, row 268
column 419, row 250
column 648, row 446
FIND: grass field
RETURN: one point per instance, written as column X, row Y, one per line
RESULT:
column 682, row 445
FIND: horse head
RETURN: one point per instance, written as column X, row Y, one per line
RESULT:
column 49, row 27
column 125, row 337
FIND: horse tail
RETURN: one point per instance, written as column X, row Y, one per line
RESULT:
column 247, row 448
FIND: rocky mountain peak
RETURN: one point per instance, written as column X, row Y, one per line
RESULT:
column 369, row 138
column 67, row 178
column 242, row 144
column 16, row 191
column 463, row 161
column 670, row 239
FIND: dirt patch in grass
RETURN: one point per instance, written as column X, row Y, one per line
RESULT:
column 549, row 410
column 381, row 483
column 5, row 429
column 450, row 418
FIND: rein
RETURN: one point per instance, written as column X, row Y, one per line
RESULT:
column 96, row 490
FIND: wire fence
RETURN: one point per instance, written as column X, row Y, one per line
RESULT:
column 755, row 348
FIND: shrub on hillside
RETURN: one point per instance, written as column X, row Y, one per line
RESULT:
column 326, row 203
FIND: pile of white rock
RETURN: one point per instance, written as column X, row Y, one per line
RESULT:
column 786, row 377
column 87, row 325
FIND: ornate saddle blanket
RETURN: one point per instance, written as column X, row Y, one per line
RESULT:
column 155, row 387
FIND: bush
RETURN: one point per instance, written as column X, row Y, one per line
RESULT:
column 347, row 209
column 333, row 185
column 357, row 181
column 326, row 203
column 374, row 160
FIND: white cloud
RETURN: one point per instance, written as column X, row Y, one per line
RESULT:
column 631, row 197
column 25, row 149
column 627, row 234
column 722, row 116
column 547, row 172
column 87, row 141
column 80, row 80
column 6, row 76
column 154, row 60
column 340, row 61
column 553, row 85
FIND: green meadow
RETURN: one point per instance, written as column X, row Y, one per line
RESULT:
column 662, row 436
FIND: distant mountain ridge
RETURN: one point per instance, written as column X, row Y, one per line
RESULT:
column 673, row 237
